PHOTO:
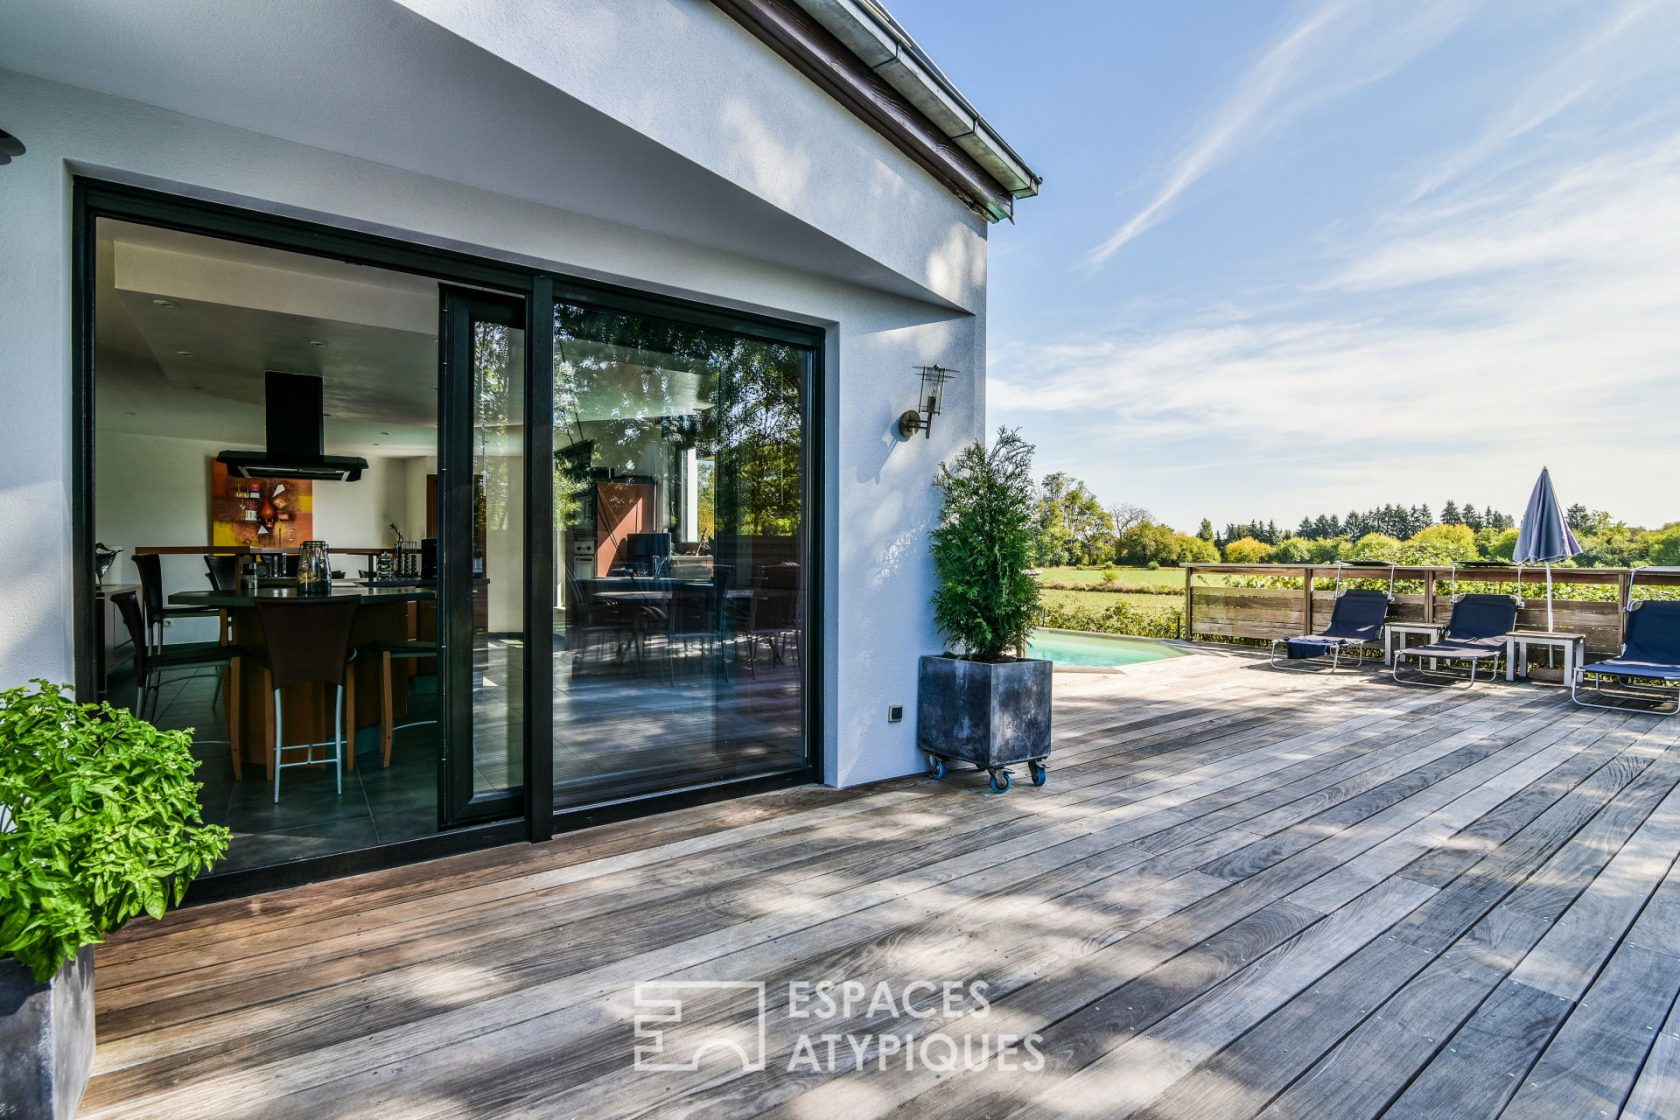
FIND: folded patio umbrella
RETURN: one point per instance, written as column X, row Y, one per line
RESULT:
column 1545, row 537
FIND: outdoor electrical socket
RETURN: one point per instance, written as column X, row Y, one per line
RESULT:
column 895, row 713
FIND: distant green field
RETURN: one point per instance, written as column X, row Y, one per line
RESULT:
column 1161, row 577
column 1099, row 600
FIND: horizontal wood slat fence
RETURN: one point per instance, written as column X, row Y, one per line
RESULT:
column 1222, row 613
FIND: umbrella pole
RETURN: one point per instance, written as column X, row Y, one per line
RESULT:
column 1550, row 625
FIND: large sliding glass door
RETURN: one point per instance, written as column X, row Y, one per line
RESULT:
column 680, row 478
column 582, row 539
column 482, row 509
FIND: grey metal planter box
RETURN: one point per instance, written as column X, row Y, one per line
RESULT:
column 46, row 1039
column 989, row 713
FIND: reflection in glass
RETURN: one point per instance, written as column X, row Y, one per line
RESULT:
column 679, row 496
column 498, row 553
column 188, row 327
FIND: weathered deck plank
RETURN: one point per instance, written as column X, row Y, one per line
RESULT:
column 1245, row 893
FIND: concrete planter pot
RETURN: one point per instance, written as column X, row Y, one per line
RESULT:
column 992, row 714
column 46, row 1039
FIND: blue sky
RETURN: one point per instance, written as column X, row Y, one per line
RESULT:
column 1302, row 257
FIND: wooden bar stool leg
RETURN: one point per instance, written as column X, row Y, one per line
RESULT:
column 338, row 739
column 350, row 716
column 233, row 719
column 279, row 733
column 271, row 741
column 387, row 709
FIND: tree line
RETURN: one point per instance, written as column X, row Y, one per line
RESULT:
column 1390, row 520
column 1072, row 526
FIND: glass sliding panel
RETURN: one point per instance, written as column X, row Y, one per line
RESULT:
column 208, row 346
column 498, row 557
column 680, row 542
column 481, row 492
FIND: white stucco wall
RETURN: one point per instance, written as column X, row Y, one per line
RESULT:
column 878, row 498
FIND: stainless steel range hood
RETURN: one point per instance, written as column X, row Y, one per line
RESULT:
column 296, row 432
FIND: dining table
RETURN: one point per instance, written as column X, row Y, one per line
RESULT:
column 388, row 610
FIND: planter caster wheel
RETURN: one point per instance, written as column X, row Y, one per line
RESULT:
column 938, row 769
column 1000, row 781
column 1039, row 771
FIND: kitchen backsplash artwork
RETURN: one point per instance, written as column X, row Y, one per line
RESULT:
column 262, row 512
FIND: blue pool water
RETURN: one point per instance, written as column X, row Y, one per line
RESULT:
column 1096, row 651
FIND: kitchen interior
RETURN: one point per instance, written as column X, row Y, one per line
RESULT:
column 266, row 417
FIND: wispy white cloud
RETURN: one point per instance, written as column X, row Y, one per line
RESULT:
column 1337, row 47
column 1536, row 321
column 1560, row 85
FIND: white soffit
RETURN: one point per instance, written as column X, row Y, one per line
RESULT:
column 869, row 32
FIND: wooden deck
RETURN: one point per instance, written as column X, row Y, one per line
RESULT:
column 1244, row 893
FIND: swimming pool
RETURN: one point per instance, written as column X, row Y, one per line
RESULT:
column 1071, row 649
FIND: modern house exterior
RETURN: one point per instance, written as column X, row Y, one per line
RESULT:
column 619, row 304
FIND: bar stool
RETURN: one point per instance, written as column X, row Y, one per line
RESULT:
column 222, row 571
column 150, row 666
column 158, row 616
column 389, row 653
column 309, row 643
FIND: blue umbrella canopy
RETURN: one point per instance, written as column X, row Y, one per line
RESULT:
column 1545, row 536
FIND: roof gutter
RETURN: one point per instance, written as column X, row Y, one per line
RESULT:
column 871, row 33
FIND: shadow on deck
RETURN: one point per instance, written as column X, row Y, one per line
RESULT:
column 1243, row 893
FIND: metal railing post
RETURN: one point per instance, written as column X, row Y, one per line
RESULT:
column 1189, row 602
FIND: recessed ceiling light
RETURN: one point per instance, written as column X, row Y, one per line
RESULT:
column 164, row 303
column 317, row 342
column 185, row 354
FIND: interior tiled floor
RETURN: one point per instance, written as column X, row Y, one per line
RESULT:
column 624, row 727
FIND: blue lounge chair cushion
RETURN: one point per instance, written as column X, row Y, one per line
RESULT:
column 1652, row 649
column 1357, row 618
column 1477, row 630
column 1624, row 667
column 1461, row 650
column 1482, row 617
column 1312, row 645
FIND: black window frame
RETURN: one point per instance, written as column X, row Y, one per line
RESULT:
column 94, row 198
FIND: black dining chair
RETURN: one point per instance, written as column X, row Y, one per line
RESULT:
column 774, row 624
column 308, row 642
column 157, row 614
column 589, row 620
column 223, row 574
column 151, row 665
column 222, row 571
column 391, row 653
column 691, row 617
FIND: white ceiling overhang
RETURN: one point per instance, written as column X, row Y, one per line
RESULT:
column 375, row 80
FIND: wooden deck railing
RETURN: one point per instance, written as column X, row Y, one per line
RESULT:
column 1224, row 613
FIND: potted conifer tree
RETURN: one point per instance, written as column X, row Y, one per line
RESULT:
column 99, row 822
column 979, row 702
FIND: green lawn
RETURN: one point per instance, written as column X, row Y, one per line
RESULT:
column 1099, row 600
column 1137, row 577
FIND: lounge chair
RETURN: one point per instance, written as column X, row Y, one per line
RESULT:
column 1357, row 621
column 1651, row 654
column 1478, row 632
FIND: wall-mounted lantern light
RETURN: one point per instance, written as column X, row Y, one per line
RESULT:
column 920, row 418
column 10, row 146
